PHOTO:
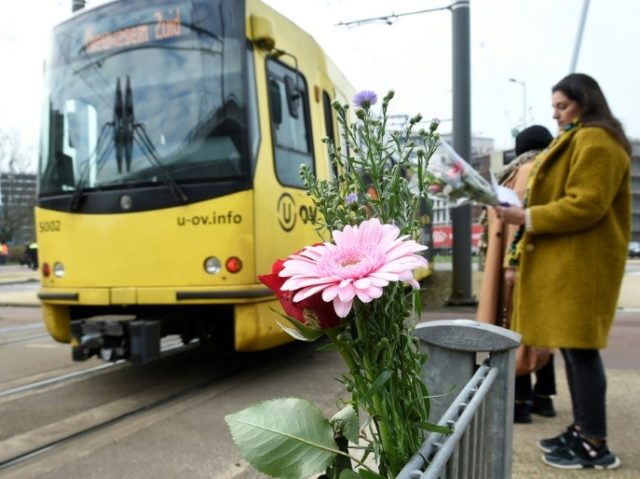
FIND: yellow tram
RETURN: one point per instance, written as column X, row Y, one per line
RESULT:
column 173, row 132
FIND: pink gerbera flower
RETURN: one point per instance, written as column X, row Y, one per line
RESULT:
column 363, row 260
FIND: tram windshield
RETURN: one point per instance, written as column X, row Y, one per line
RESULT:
column 136, row 91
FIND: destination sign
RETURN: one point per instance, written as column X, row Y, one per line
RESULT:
column 154, row 25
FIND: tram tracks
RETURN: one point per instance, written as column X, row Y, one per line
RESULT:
column 28, row 385
column 21, row 334
column 40, row 448
column 24, row 447
column 54, row 379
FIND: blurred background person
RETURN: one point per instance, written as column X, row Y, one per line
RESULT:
column 497, row 290
column 4, row 253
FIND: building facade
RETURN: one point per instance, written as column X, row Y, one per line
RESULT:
column 17, row 202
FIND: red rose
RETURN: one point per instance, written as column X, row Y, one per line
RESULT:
column 312, row 311
column 275, row 282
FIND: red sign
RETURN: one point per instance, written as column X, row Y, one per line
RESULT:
column 443, row 236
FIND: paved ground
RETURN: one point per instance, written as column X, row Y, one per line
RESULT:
column 622, row 360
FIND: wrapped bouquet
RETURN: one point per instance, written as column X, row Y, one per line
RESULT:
column 451, row 178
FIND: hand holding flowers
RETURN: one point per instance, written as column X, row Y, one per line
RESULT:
column 514, row 215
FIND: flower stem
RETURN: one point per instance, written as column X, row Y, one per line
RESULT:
column 378, row 408
column 332, row 334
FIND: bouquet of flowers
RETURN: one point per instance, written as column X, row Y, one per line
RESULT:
column 454, row 180
column 358, row 289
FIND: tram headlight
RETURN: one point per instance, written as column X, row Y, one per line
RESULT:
column 212, row 265
column 58, row 269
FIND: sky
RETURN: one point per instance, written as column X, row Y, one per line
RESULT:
column 531, row 41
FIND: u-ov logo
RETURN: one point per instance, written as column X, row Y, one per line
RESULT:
column 286, row 212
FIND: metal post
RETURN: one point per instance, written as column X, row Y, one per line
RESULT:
column 524, row 99
column 461, row 388
column 524, row 105
column 576, row 48
column 461, row 216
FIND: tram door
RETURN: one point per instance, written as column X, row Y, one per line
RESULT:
column 284, row 213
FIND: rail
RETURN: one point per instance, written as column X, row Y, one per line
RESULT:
column 477, row 361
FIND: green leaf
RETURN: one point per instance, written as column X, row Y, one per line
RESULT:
column 301, row 332
column 295, row 333
column 327, row 347
column 345, row 423
column 375, row 387
column 369, row 475
column 427, row 426
column 347, row 474
column 288, row 438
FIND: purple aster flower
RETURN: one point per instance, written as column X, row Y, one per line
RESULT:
column 351, row 198
column 365, row 98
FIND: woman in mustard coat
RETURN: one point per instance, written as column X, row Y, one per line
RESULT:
column 570, row 254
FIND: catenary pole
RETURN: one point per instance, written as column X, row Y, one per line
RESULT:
column 576, row 47
column 461, row 217
column 461, row 291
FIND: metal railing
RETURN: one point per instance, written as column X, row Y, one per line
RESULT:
column 480, row 414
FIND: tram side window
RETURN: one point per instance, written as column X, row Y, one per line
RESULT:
column 290, row 123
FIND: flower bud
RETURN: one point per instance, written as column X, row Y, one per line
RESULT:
column 389, row 96
column 351, row 198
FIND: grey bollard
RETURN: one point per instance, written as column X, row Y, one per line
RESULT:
column 452, row 346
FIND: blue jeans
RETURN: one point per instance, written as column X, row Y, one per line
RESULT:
column 588, row 386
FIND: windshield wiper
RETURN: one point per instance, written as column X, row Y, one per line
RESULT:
column 124, row 134
column 127, row 135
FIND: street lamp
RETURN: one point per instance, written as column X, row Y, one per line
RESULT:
column 524, row 99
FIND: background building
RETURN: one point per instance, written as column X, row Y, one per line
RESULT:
column 17, row 201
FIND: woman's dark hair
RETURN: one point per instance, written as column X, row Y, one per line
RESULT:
column 594, row 109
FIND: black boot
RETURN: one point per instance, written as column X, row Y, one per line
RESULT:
column 522, row 413
column 543, row 406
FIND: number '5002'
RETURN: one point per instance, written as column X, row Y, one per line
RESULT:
column 46, row 226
